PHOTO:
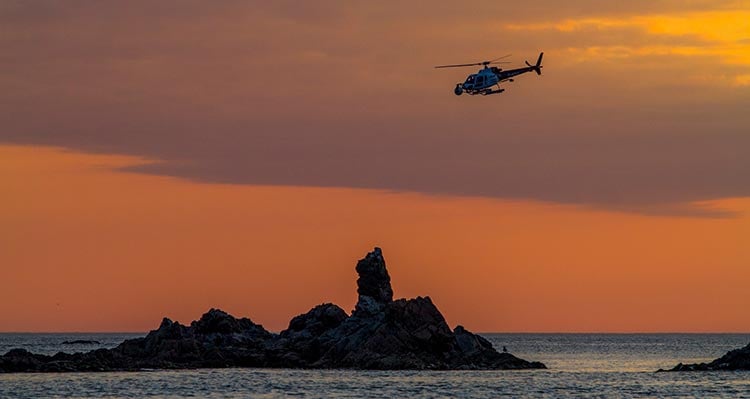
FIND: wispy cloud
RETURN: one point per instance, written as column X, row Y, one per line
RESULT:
column 641, row 107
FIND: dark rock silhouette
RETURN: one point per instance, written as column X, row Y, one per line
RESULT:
column 373, row 284
column 738, row 359
column 380, row 334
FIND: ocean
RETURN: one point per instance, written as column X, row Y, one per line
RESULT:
column 580, row 366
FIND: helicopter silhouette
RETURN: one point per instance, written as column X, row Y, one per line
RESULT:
column 489, row 76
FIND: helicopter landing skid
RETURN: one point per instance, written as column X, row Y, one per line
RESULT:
column 488, row 92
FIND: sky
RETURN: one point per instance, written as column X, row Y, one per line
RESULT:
column 160, row 159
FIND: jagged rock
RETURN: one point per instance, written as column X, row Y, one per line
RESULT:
column 380, row 334
column 478, row 353
column 386, row 334
column 300, row 345
column 216, row 340
column 373, row 284
column 407, row 334
column 17, row 360
column 738, row 359
column 315, row 322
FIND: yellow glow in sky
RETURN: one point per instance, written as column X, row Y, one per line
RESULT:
column 725, row 34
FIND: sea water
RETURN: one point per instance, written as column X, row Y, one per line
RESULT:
column 580, row 365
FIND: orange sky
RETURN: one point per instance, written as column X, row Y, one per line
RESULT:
column 161, row 158
column 86, row 248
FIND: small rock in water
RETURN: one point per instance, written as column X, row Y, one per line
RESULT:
column 81, row 342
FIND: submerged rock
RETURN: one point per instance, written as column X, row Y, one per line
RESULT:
column 738, row 359
column 380, row 334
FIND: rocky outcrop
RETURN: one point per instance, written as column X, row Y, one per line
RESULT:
column 738, row 359
column 380, row 334
column 216, row 340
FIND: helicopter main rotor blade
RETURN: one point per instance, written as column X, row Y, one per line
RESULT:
column 459, row 65
column 499, row 58
column 495, row 61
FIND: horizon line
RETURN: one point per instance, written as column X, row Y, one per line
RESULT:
column 478, row 332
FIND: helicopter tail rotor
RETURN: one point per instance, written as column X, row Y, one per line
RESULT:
column 538, row 67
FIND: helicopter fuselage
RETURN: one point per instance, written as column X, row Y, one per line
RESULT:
column 483, row 81
column 486, row 78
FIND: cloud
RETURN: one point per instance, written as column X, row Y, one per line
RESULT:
column 627, row 116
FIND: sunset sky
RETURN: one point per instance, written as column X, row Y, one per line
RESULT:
column 162, row 158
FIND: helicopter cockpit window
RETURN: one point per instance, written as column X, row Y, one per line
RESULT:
column 470, row 79
column 480, row 80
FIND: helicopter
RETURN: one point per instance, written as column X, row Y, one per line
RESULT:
column 489, row 76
